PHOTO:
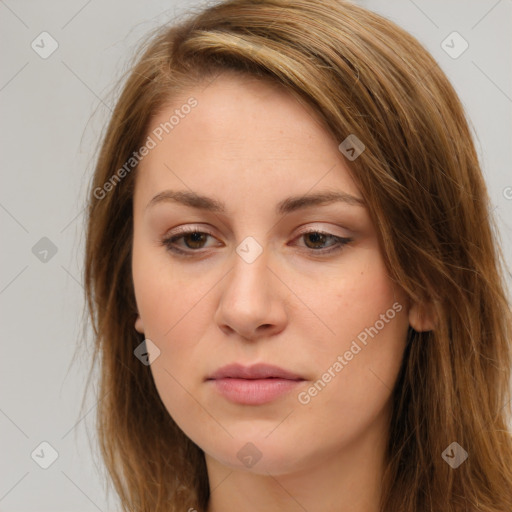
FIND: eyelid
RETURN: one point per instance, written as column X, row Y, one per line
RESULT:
column 191, row 228
column 305, row 228
column 313, row 227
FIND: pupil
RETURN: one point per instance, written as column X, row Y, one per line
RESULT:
column 196, row 238
column 316, row 237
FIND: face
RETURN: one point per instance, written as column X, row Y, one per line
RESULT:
column 262, row 279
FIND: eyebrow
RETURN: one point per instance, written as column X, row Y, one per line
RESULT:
column 288, row 205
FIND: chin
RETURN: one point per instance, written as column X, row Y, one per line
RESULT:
column 260, row 456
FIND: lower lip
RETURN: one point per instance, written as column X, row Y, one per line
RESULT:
column 254, row 391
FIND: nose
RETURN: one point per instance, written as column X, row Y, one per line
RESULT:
column 253, row 300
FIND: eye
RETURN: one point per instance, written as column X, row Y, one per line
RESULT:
column 316, row 238
column 195, row 240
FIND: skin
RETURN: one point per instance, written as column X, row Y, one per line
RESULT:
column 250, row 144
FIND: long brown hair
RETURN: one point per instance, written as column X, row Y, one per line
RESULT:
column 421, row 179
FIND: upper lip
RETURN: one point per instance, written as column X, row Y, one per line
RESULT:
column 256, row 371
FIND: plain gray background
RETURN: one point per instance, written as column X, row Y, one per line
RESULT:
column 52, row 112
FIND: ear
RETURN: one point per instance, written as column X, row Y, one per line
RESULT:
column 139, row 326
column 422, row 317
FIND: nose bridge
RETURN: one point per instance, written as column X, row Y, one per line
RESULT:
column 248, row 299
column 250, row 272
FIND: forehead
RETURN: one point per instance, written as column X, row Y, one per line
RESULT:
column 244, row 136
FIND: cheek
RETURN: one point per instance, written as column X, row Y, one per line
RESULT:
column 171, row 309
column 354, row 296
column 166, row 296
column 359, row 360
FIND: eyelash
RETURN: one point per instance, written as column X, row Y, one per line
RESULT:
column 168, row 242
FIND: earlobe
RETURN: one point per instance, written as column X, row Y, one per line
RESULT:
column 422, row 317
column 139, row 326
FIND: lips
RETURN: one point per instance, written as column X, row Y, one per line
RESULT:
column 257, row 371
column 258, row 384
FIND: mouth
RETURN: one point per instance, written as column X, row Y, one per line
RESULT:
column 257, row 371
column 253, row 385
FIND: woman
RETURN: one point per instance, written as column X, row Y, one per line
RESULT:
column 297, row 294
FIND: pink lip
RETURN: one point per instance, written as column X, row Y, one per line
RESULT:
column 253, row 385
